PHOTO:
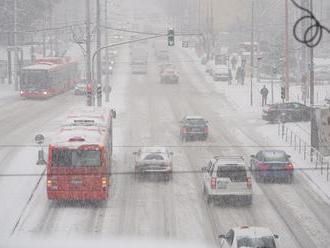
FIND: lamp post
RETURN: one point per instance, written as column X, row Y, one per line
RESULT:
column 252, row 52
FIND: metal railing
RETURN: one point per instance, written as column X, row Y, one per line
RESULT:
column 302, row 147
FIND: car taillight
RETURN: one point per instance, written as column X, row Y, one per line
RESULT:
column 249, row 182
column 104, row 182
column 289, row 167
column 262, row 167
column 213, row 183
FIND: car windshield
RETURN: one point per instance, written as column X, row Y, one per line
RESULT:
column 277, row 156
column 196, row 122
column 75, row 158
column 256, row 242
column 154, row 156
column 235, row 172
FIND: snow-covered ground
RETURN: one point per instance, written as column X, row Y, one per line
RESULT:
column 240, row 98
column 147, row 115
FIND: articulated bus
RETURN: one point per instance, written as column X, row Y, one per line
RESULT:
column 79, row 160
column 48, row 77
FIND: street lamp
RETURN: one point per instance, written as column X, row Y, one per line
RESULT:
column 252, row 52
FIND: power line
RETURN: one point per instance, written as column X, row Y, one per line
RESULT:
column 199, row 171
column 312, row 36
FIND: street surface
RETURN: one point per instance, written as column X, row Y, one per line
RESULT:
column 147, row 115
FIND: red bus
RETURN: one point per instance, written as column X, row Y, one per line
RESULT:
column 48, row 77
column 79, row 161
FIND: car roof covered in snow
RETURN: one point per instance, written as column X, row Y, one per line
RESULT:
column 253, row 231
column 74, row 137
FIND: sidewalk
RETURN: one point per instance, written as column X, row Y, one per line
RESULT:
column 296, row 138
column 8, row 93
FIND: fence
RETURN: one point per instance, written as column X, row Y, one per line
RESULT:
column 302, row 147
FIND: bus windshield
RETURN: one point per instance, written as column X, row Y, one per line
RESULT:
column 34, row 80
column 75, row 158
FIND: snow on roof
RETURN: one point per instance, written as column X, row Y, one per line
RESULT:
column 194, row 117
column 229, row 160
column 76, row 136
column 252, row 231
column 154, row 149
column 40, row 67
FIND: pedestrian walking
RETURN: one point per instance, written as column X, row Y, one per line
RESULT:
column 264, row 94
column 107, row 91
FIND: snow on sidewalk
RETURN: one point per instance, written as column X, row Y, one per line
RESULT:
column 240, row 98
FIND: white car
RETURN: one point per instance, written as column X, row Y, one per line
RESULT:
column 245, row 236
column 154, row 160
column 222, row 73
column 227, row 178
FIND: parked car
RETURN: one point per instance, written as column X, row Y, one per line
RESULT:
column 169, row 74
column 80, row 88
column 292, row 111
column 221, row 73
column 193, row 127
column 245, row 236
column 154, row 160
column 227, row 178
column 272, row 164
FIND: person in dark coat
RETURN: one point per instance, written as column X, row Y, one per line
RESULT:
column 264, row 94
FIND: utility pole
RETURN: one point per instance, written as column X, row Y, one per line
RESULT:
column 98, row 46
column 303, row 62
column 286, row 52
column 252, row 52
column 107, row 79
column 15, row 47
column 88, row 44
column 311, row 78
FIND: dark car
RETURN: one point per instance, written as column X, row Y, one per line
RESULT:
column 193, row 127
column 292, row 111
column 273, row 165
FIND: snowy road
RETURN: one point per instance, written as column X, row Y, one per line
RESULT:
column 148, row 115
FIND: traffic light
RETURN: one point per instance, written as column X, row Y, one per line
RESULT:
column 282, row 92
column 170, row 37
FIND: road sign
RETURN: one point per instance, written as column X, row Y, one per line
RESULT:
column 39, row 139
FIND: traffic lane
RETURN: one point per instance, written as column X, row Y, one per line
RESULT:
column 245, row 135
column 224, row 137
column 18, row 157
column 152, row 207
column 46, row 218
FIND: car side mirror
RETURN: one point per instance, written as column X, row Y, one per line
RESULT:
column 276, row 236
column 289, row 156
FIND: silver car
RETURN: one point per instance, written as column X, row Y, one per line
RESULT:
column 248, row 236
column 227, row 178
column 154, row 160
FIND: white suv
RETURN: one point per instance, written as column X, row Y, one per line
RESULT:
column 246, row 236
column 227, row 178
